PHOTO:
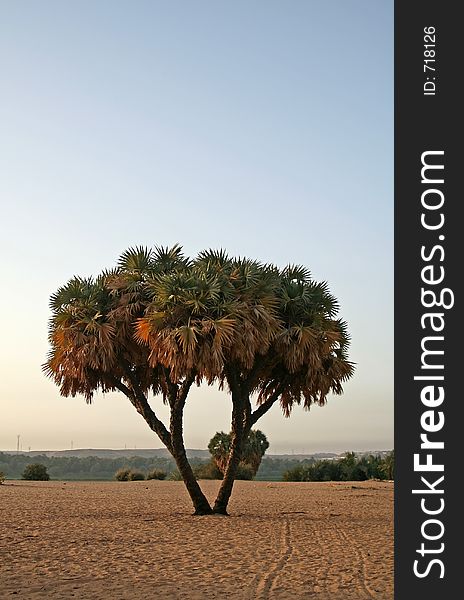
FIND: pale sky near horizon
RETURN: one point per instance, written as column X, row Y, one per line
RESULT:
column 265, row 128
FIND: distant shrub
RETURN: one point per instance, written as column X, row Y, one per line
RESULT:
column 175, row 475
column 207, row 470
column 2, row 477
column 297, row 473
column 126, row 474
column 122, row 474
column 36, row 472
column 245, row 472
column 156, row 474
column 135, row 475
column 210, row 470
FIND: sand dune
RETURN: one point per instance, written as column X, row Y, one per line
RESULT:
column 330, row 541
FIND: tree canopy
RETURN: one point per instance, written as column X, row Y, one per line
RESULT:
column 160, row 322
column 253, row 449
column 36, row 472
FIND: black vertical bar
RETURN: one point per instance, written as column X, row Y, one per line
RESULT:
column 428, row 119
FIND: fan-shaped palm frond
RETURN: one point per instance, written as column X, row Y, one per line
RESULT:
column 137, row 259
column 296, row 274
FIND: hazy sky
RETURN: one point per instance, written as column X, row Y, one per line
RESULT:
column 264, row 127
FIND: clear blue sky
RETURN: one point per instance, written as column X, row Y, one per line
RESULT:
column 264, row 127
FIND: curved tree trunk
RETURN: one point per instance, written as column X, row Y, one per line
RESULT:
column 238, row 434
column 242, row 421
column 199, row 500
column 200, row 503
column 173, row 439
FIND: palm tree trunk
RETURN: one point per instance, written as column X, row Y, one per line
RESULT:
column 238, row 434
column 173, row 439
column 200, row 503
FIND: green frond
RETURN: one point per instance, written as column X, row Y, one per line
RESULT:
column 212, row 258
column 297, row 274
column 169, row 259
column 138, row 259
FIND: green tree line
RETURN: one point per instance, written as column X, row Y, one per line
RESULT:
column 271, row 469
column 94, row 468
column 85, row 468
column 348, row 468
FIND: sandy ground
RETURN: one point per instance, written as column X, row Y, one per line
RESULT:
column 138, row 540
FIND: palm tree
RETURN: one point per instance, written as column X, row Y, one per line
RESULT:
column 93, row 347
column 288, row 347
column 388, row 466
column 219, row 447
column 161, row 322
column 254, row 447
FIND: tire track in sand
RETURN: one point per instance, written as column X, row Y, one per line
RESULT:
column 362, row 561
column 267, row 580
